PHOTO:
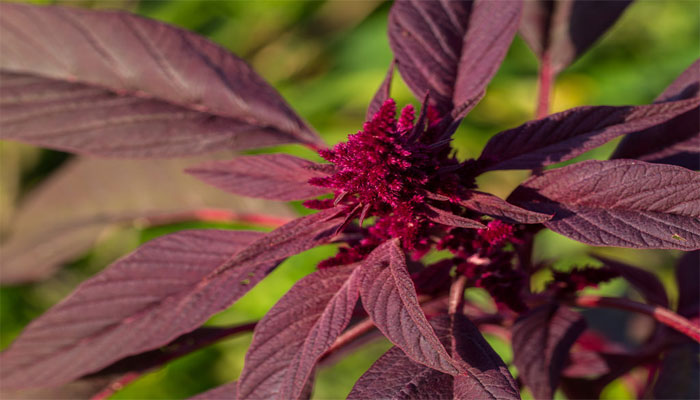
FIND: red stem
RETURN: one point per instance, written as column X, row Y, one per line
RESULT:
column 546, row 79
column 348, row 336
column 215, row 215
column 660, row 314
column 456, row 294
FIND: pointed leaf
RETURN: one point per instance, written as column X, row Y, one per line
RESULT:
column 688, row 280
column 64, row 216
column 115, row 84
column 565, row 135
column 649, row 286
column 395, row 375
column 675, row 142
column 295, row 333
column 451, row 49
column 563, row 30
column 137, row 304
column 496, row 207
column 167, row 287
column 622, row 203
column 383, row 93
column 267, row 176
column 541, row 343
column 389, row 297
column 447, row 218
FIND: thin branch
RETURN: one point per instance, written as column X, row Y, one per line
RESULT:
column 456, row 294
column 213, row 215
column 348, row 336
column 660, row 314
column 546, row 80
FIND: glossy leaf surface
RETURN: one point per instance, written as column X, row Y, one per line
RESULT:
column 623, row 203
column 119, row 85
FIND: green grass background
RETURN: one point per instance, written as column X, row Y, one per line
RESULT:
column 327, row 58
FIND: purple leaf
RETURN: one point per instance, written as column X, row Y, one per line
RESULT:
column 395, row 375
column 496, row 207
column 541, row 343
column 137, row 304
column 649, row 286
column 688, row 280
column 451, row 49
column 383, row 93
column 565, row 135
column 294, row 334
column 119, row 85
column 623, row 203
column 447, row 218
column 675, row 142
column 266, row 176
column 62, row 217
column 678, row 375
column 167, row 287
column 563, row 30
column 389, row 297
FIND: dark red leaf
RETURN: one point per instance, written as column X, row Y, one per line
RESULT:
column 675, row 142
column 395, row 375
column 498, row 208
column 294, row 334
column 167, row 287
column 451, row 49
column 63, row 217
column 267, row 176
column 623, row 203
column 389, row 297
column 649, row 286
column 383, row 93
column 678, row 375
column 113, row 315
column 115, row 84
column 688, row 280
column 565, row 135
column 447, row 218
column 563, row 30
column 541, row 343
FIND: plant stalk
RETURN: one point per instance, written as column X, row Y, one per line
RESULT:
column 660, row 314
column 545, row 86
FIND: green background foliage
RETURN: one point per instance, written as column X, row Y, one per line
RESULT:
column 327, row 58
